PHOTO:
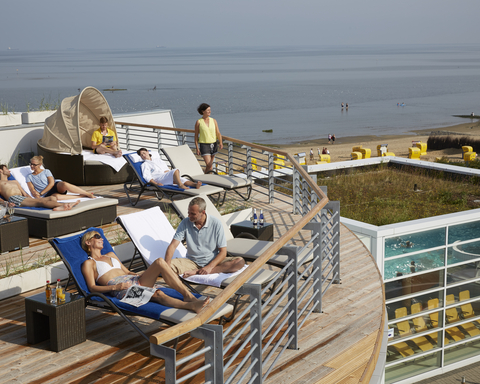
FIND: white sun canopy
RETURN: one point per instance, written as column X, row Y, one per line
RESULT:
column 71, row 127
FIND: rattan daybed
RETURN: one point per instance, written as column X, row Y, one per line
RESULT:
column 69, row 131
column 44, row 223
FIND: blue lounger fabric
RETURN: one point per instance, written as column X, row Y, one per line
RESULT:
column 74, row 254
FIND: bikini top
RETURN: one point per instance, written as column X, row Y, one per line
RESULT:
column 103, row 267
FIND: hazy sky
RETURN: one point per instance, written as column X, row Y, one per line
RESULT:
column 55, row 24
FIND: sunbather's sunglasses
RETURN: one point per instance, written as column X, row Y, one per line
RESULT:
column 96, row 236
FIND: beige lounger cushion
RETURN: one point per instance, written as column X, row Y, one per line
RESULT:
column 260, row 277
column 83, row 206
column 228, row 182
column 175, row 315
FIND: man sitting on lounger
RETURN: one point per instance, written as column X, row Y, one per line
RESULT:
column 16, row 196
column 206, row 244
column 156, row 172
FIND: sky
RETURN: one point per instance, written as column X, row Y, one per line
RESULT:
column 105, row 24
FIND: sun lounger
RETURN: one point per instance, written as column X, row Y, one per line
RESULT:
column 248, row 248
column 72, row 254
column 45, row 223
column 453, row 317
column 139, row 185
column 151, row 234
column 421, row 326
column 183, row 159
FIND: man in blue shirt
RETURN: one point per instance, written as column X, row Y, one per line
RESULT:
column 206, row 244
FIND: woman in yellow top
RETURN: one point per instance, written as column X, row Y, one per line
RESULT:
column 104, row 140
column 207, row 135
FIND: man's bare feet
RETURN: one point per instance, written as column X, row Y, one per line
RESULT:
column 183, row 186
column 66, row 206
column 198, row 304
column 199, row 184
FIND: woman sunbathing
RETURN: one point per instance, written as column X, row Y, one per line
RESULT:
column 106, row 274
column 41, row 183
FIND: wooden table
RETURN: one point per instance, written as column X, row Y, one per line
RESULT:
column 63, row 323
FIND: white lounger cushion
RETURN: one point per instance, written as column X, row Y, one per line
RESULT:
column 183, row 159
column 81, row 207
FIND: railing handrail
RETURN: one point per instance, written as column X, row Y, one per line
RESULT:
column 207, row 312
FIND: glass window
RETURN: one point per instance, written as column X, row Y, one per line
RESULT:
column 465, row 291
column 419, row 324
column 412, row 284
column 461, row 352
column 463, row 272
column 414, row 263
column 418, row 304
column 462, row 232
column 413, row 368
column 414, row 242
column 459, row 253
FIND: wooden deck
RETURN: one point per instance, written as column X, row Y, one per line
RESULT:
column 337, row 345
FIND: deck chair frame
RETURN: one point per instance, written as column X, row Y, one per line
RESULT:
column 139, row 185
column 182, row 157
column 137, row 253
column 107, row 303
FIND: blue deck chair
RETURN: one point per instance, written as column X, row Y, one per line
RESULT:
column 140, row 185
column 71, row 252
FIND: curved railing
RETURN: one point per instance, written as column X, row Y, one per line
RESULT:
column 289, row 183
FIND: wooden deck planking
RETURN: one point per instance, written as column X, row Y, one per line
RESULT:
column 113, row 353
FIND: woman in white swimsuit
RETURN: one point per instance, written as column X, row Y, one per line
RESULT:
column 106, row 274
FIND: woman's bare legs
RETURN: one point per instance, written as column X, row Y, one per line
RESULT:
column 63, row 187
column 208, row 162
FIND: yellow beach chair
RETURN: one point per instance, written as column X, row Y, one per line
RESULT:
column 432, row 304
column 414, row 153
column 467, row 312
column 422, row 147
column 465, row 149
column 356, row 155
column 451, row 315
column 404, row 330
column 420, row 326
column 366, row 152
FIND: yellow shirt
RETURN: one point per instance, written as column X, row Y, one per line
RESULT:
column 97, row 136
column 208, row 133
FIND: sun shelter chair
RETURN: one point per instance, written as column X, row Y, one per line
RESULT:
column 151, row 234
column 72, row 254
column 182, row 158
column 139, row 185
column 248, row 248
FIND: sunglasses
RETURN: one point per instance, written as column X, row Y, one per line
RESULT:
column 96, row 236
column 34, row 165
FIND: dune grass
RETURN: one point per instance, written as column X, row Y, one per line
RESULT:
column 387, row 196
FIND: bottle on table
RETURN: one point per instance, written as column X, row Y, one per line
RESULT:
column 48, row 291
column 261, row 220
column 255, row 219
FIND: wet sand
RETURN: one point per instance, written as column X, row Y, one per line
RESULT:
column 398, row 144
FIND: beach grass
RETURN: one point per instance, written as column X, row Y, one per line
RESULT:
column 387, row 196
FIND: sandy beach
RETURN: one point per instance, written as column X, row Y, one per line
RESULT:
column 398, row 144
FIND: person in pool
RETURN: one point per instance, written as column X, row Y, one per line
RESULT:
column 107, row 274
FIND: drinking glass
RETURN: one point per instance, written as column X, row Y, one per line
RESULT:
column 11, row 210
column 53, row 296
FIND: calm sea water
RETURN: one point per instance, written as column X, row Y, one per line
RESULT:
column 297, row 92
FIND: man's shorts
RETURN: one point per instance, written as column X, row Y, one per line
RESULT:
column 182, row 264
column 17, row 200
column 208, row 149
column 54, row 190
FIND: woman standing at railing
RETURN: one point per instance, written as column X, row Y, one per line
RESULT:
column 207, row 136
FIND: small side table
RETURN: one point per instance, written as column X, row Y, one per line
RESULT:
column 63, row 324
column 13, row 233
column 264, row 232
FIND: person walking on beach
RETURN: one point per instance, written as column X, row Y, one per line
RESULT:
column 311, row 154
column 207, row 136
column 333, row 139
column 329, row 138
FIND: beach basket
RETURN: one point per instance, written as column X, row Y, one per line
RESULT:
column 414, row 153
column 422, row 147
column 324, row 158
column 366, row 152
column 356, row 155
column 465, row 149
column 357, row 148
column 469, row 156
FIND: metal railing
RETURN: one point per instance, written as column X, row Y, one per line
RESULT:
column 271, row 317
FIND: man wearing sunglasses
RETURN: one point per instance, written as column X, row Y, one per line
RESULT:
column 16, row 196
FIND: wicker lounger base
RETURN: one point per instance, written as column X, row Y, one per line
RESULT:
column 41, row 227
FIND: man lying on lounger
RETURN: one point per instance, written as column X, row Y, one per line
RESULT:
column 206, row 244
column 16, row 196
column 156, row 172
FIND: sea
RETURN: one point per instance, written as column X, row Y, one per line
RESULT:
column 296, row 92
